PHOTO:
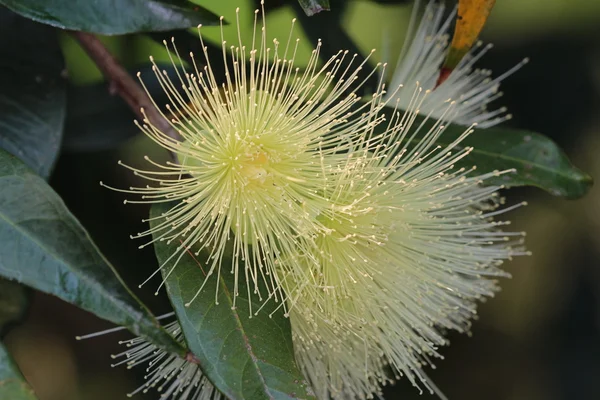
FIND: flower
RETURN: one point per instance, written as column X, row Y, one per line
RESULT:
column 255, row 153
column 412, row 246
column 171, row 375
column 366, row 232
column 422, row 56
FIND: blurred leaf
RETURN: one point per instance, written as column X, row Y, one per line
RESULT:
column 32, row 95
column 97, row 120
column 187, row 42
column 13, row 385
column 246, row 357
column 538, row 160
column 13, row 303
column 43, row 246
column 471, row 17
column 328, row 28
column 108, row 17
column 312, row 7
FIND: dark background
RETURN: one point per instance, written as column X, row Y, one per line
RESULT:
column 538, row 339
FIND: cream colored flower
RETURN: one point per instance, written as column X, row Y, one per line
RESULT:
column 360, row 224
column 169, row 374
column 422, row 56
column 257, row 149
column 413, row 244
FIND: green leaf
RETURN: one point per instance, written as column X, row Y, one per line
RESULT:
column 538, row 161
column 245, row 358
column 43, row 246
column 109, row 18
column 12, row 383
column 13, row 303
column 330, row 27
column 312, row 7
column 33, row 94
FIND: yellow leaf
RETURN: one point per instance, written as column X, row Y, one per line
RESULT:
column 471, row 18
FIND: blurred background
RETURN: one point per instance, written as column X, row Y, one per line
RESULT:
column 538, row 339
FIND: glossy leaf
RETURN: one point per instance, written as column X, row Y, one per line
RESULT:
column 538, row 161
column 109, row 18
column 390, row 1
column 312, row 7
column 13, row 303
column 13, row 385
column 43, row 246
column 32, row 95
column 245, row 358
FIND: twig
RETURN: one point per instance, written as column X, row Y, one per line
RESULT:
column 121, row 83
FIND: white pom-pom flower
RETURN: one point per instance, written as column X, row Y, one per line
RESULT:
column 372, row 240
column 422, row 56
column 412, row 245
column 255, row 151
column 174, row 377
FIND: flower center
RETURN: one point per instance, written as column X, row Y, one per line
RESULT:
column 254, row 166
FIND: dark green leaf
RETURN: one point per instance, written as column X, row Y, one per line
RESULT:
column 108, row 17
column 43, row 246
column 12, row 383
column 32, row 95
column 245, row 358
column 13, row 303
column 538, row 161
column 312, row 7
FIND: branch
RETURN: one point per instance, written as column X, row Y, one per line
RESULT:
column 121, row 83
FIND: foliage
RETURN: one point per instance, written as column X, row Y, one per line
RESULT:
column 12, row 384
column 244, row 355
column 536, row 160
column 100, row 16
column 13, row 304
column 33, row 97
column 46, row 248
column 311, row 7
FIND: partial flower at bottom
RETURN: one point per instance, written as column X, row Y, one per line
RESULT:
column 413, row 243
column 172, row 376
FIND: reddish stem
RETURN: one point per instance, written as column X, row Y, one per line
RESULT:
column 121, row 83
